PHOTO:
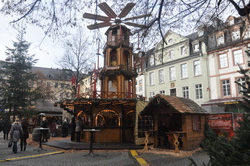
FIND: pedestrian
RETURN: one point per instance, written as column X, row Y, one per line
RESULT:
column 65, row 126
column 72, row 128
column 16, row 133
column 53, row 128
column 25, row 127
column 78, row 129
column 44, row 132
column 1, row 124
column 6, row 129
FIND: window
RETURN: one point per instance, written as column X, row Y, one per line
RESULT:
column 144, row 123
column 238, row 57
column 196, row 122
column 140, row 85
column 183, row 50
column 198, row 91
column 197, row 68
column 162, row 92
column 223, row 60
column 172, row 73
column 184, row 71
column 185, row 92
column 151, row 78
column 151, row 61
column 173, row 92
column 241, row 81
column 170, row 41
column 226, row 87
column 151, row 94
column 196, row 47
column 161, row 76
column 235, row 35
column 171, row 54
column 220, row 40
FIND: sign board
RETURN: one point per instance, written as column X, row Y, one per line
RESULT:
column 224, row 122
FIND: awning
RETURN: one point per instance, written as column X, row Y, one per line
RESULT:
column 140, row 105
column 223, row 101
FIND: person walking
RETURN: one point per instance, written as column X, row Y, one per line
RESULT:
column 78, row 129
column 53, row 128
column 16, row 133
column 44, row 133
column 65, row 126
column 1, row 124
column 72, row 128
column 25, row 127
column 6, row 129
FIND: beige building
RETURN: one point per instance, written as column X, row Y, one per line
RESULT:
column 178, row 68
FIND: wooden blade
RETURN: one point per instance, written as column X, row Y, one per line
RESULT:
column 96, row 17
column 137, row 17
column 99, row 25
column 135, row 25
column 107, row 10
column 126, row 10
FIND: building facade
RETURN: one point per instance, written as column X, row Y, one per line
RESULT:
column 226, row 45
column 178, row 68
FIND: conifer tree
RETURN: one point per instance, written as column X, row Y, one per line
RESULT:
column 15, row 88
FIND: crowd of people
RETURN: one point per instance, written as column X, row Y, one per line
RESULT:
column 19, row 130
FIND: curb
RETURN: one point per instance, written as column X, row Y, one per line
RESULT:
column 139, row 159
column 33, row 156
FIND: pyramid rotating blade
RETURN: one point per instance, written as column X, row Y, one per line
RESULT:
column 96, row 17
column 107, row 10
column 135, row 25
column 126, row 10
column 137, row 17
column 98, row 25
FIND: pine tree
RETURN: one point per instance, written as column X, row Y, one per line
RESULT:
column 15, row 89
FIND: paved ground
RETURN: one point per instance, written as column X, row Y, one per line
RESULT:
column 58, row 157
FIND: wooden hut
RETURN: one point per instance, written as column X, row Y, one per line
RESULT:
column 183, row 117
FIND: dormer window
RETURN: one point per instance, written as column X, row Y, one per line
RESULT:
column 231, row 22
column 170, row 41
column 196, row 47
column 220, row 40
column 235, row 35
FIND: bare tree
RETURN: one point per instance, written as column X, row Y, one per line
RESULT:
column 77, row 58
column 57, row 16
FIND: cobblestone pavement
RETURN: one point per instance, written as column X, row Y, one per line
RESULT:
column 57, row 157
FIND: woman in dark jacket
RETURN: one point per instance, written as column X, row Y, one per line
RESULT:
column 16, row 133
column 25, row 127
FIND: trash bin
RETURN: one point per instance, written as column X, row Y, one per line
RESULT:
column 36, row 134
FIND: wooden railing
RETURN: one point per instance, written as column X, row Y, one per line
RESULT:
column 110, row 95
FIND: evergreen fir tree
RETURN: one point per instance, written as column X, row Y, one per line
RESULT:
column 15, row 89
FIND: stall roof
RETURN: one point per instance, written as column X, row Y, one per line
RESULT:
column 181, row 105
column 47, row 106
column 222, row 101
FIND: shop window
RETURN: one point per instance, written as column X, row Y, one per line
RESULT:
column 144, row 123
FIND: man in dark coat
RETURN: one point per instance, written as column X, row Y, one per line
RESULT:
column 6, row 129
column 25, row 127
column 44, row 133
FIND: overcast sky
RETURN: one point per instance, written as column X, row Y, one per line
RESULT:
column 45, row 53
